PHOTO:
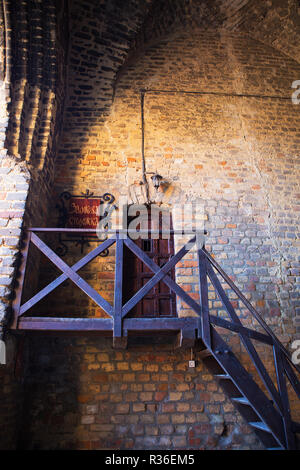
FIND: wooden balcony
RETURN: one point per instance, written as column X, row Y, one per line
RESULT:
column 267, row 409
column 118, row 324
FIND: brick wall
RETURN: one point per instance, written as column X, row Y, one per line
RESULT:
column 237, row 156
column 31, row 103
column 14, row 179
column 82, row 394
column 31, row 98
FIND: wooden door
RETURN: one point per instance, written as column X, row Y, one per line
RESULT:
column 160, row 301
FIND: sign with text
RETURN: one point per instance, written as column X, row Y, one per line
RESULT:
column 82, row 213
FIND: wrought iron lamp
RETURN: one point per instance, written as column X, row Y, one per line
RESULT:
column 157, row 180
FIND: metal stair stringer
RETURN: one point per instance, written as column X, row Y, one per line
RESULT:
column 245, row 394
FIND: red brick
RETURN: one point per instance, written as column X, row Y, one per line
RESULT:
column 159, row 396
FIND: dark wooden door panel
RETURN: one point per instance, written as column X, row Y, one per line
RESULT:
column 160, row 301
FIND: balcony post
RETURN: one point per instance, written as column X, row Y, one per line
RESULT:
column 19, row 281
column 119, row 335
column 203, row 290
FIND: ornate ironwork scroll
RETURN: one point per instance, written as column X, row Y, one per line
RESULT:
column 83, row 211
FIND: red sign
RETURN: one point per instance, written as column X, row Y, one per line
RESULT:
column 83, row 212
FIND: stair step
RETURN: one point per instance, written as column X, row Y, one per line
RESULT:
column 241, row 400
column 222, row 376
column 260, row 425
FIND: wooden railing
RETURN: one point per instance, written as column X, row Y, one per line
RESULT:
column 202, row 326
column 117, row 312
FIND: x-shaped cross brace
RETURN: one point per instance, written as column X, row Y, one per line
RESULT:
column 160, row 274
column 69, row 273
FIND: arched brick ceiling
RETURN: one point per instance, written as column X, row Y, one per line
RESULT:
column 101, row 34
column 273, row 22
column 105, row 34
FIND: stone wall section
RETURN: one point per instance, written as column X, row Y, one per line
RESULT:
column 82, row 394
column 31, row 101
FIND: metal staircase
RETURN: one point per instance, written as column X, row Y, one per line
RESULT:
column 247, row 397
column 268, row 416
